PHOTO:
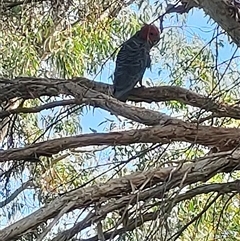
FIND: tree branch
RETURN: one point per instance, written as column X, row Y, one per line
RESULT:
column 86, row 91
column 118, row 204
column 200, row 169
column 16, row 193
column 221, row 138
column 6, row 113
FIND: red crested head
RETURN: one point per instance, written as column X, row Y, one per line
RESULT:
column 151, row 33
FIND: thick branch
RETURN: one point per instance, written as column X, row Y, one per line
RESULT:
column 87, row 91
column 199, row 170
column 118, row 204
column 34, row 88
column 170, row 93
column 222, row 138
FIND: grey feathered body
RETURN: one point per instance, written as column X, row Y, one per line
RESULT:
column 132, row 61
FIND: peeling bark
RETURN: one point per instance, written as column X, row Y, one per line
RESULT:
column 98, row 95
column 200, row 169
column 222, row 138
column 166, row 130
column 140, row 219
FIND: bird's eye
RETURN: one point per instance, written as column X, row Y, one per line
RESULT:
column 151, row 33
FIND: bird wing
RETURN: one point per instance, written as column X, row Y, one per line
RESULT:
column 148, row 61
column 132, row 60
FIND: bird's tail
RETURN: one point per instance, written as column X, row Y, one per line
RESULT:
column 121, row 95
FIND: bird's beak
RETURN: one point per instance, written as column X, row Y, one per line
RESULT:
column 155, row 41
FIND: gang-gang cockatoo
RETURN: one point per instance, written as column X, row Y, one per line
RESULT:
column 133, row 59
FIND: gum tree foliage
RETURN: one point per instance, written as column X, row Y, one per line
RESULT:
column 163, row 166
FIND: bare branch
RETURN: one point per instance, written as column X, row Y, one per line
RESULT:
column 16, row 193
column 221, row 138
column 222, row 188
column 199, row 170
column 86, row 91
column 37, row 109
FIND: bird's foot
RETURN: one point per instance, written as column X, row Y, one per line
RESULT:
column 142, row 86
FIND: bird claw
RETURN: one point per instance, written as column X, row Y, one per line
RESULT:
column 141, row 84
